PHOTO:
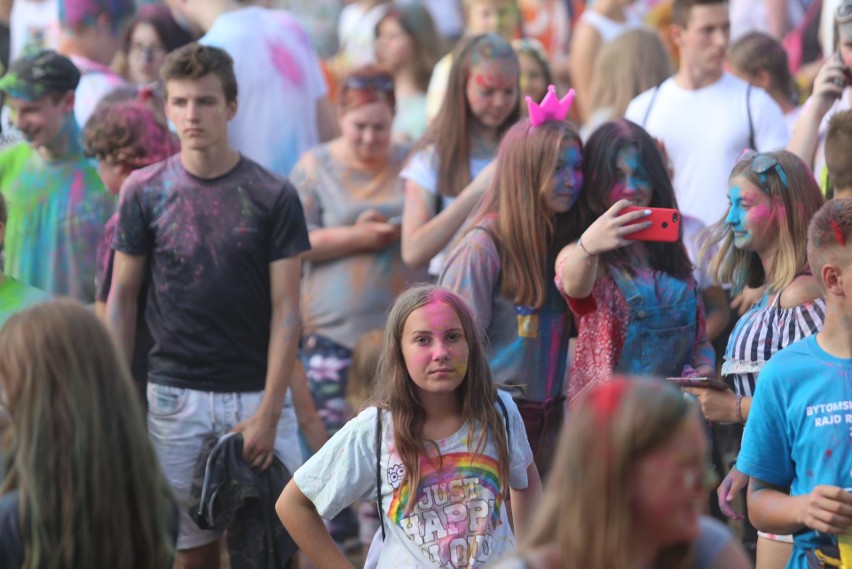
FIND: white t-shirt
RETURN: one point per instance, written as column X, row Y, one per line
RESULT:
column 458, row 518
column 704, row 131
column 34, row 25
column 422, row 169
column 753, row 15
column 279, row 81
column 608, row 28
column 96, row 81
column 357, row 33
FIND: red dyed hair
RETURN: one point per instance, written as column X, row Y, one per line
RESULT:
column 365, row 85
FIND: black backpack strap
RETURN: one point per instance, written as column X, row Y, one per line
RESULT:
column 379, row 469
column 505, row 418
column 650, row 106
column 751, row 143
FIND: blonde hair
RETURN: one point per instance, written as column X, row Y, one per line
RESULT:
column 630, row 64
column 794, row 203
column 78, row 453
column 589, row 514
column 395, row 390
column 527, row 237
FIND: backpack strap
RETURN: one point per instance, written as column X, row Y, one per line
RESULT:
column 650, row 106
column 505, row 418
column 379, row 469
column 751, row 143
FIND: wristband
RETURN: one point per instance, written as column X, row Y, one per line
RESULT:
column 740, row 409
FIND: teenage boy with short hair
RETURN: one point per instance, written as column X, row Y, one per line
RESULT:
column 285, row 111
column 703, row 102
column 797, row 447
column 221, row 238
column 57, row 204
column 838, row 153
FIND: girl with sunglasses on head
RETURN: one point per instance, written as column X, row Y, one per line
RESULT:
column 503, row 266
column 629, row 482
column 353, row 199
column 637, row 306
column 441, row 450
column 763, row 243
column 447, row 174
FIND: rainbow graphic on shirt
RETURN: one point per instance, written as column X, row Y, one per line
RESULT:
column 457, row 510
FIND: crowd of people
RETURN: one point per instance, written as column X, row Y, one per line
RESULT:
column 425, row 283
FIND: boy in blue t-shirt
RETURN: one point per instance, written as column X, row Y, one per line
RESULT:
column 797, row 447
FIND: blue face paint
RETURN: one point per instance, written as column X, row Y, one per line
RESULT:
column 750, row 214
column 567, row 179
column 631, row 183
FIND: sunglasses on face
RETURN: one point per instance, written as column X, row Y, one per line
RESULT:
column 763, row 163
column 843, row 13
column 381, row 83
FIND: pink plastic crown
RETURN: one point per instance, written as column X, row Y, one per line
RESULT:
column 551, row 108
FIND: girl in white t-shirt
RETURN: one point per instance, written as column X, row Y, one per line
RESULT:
column 441, row 451
column 482, row 103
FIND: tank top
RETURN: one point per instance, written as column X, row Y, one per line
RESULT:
column 761, row 332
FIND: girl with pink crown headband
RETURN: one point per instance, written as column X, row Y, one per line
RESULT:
column 503, row 266
column 637, row 307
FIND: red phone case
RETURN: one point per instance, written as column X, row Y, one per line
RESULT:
column 665, row 224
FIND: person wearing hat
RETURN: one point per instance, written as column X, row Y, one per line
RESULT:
column 57, row 203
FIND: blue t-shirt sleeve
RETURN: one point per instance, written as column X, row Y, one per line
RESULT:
column 766, row 451
column 133, row 235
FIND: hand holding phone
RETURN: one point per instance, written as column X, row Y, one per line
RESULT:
column 710, row 383
column 665, row 225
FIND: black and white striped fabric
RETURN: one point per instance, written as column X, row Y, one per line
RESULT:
column 761, row 332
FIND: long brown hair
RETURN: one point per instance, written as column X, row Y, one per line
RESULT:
column 90, row 489
column 589, row 514
column 448, row 134
column 528, row 237
column 417, row 22
column 599, row 165
column 794, row 203
column 395, row 390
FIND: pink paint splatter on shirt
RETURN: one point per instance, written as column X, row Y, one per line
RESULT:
column 284, row 62
column 77, row 189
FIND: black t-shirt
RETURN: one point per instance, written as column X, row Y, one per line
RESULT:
column 209, row 245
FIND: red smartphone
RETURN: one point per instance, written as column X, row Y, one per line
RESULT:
column 698, row 382
column 665, row 224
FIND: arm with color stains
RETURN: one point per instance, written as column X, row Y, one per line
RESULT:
column 127, row 278
column 704, row 361
column 259, row 429
column 827, row 509
column 371, row 232
column 425, row 234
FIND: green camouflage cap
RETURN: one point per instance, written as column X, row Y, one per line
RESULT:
column 34, row 76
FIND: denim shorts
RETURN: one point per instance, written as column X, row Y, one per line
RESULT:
column 180, row 420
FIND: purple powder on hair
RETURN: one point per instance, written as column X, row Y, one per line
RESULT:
column 84, row 12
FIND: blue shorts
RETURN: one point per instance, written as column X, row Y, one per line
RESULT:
column 180, row 420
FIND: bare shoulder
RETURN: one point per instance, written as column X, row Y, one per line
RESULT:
column 802, row 290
